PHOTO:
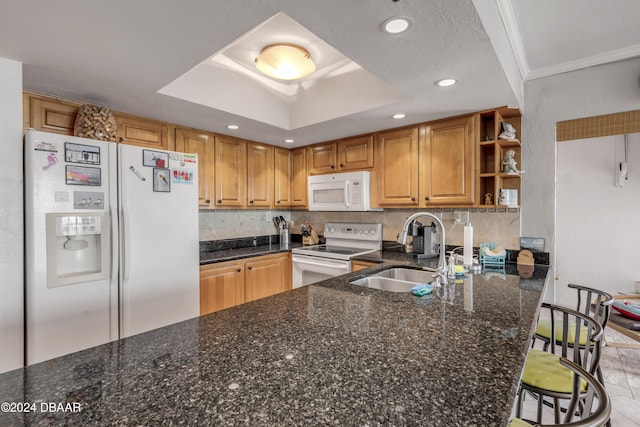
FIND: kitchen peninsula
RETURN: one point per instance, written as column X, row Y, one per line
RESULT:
column 328, row 353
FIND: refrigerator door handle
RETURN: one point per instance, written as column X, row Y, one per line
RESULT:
column 113, row 277
column 124, row 271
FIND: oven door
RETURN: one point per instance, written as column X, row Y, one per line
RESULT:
column 310, row 269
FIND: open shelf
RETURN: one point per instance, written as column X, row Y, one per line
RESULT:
column 491, row 151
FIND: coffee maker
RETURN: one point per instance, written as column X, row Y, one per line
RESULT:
column 425, row 243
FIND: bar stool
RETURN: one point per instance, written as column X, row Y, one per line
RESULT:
column 592, row 302
column 543, row 375
column 591, row 416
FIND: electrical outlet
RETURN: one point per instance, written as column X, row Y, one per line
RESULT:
column 457, row 216
column 268, row 217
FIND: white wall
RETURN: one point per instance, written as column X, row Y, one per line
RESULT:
column 11, row 217
column 597, row 223
column 594, row 91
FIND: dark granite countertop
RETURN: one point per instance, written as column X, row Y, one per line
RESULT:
column 328, row 353
column 210, row 257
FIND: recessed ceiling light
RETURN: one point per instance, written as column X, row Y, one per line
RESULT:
column 399, row 116
column 446, row 82
column 285, row 62
column 289, row 141
column 396, row 24
column 233, row 127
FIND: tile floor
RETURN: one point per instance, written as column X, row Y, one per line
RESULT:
column 621, row 371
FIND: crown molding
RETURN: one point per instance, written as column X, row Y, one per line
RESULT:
column 590, row 61
column 510, row 23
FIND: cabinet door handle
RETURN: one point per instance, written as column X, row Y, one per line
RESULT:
column 341, row 165
column 426, row 198
column 249, row 267
column 251, row 201
column 219, row 201
column 278, row 201
column 207, row 201
column 413, row 199
column 238, row 270
column 333, row 167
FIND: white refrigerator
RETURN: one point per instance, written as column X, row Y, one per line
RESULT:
column 111, row 242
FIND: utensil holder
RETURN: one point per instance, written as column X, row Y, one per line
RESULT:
column 284, row 238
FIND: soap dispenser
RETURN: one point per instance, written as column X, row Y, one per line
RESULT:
column 451, row 267
column 468, row 246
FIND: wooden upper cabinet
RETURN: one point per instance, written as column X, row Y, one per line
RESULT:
column 447, row 162
column 322, row 158
column 200, row 143
column 134, row 130
column 282, row 177
column 298, row 178
column 341, row 156
column 397, row 167
column 230, row 170
column 259, row 175
column 51, row 115
column 355, row 153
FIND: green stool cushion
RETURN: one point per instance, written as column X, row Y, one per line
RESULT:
column 544, row 330
column 517, row 422
column 544, row 371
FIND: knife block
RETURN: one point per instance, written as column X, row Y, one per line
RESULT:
column 311, row 239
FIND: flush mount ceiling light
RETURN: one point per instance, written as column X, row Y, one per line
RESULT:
column 232, row 127
column 446, row 82
column 399, row 116
column 289, row 141
column 396, row 24
column 285, row 62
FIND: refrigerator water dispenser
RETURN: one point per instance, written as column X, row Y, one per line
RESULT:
column 77, row 248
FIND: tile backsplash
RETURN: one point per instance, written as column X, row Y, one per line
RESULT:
column 501, row 226
column 231, row 224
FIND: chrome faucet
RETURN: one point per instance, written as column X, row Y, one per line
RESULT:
column 442, row 263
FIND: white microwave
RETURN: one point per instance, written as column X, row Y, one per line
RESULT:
column 341, row 192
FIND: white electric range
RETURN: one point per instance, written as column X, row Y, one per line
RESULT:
column 344, row 241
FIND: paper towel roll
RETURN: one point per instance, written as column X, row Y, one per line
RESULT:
column 468, row 245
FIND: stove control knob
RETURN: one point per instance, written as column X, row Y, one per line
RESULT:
column 331, row 230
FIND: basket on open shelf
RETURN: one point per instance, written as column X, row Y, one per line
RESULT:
column 489, row 260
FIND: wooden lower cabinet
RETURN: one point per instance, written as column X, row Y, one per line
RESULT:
column 267, row 275
column 360, row 265
column 231, row 283
column 221, row 286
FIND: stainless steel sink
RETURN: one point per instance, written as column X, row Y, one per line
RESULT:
column 406, row 274
column 395, row 279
